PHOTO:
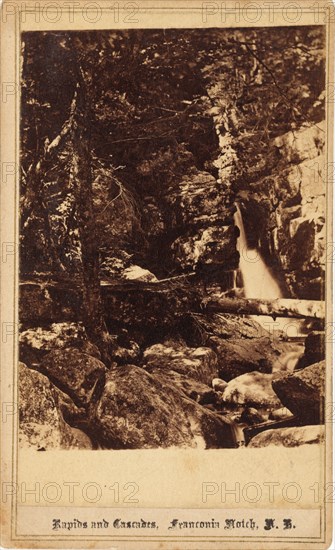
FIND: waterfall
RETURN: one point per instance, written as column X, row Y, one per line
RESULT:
column 259, row 283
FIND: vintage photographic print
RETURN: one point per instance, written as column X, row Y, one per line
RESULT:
column 173, row 256
column 171, row 194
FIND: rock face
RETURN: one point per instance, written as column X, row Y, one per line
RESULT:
column 253, row 389
column 290, row 201
column 138, row 410
column 299, row 238
column 42, row 426
column 289, row 437
column 213, row 247
column 303, row 393
column 203, row 213
column 198, row 199
column 78, row 374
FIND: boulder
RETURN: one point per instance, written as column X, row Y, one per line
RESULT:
column 314, row 350
column 289, row 437
column 199, row 364
column 253, row 389
column 280, row 414
column 219, row 385
column 236, row 357
column 138, row 410
column 137, row 273
column 77, row 374
column 41, row 425
column 35, row 342
column 303, row 392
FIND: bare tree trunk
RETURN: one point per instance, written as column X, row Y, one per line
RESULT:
column 281, row 307
column 92, row 309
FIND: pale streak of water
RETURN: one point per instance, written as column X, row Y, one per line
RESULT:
column 259, row 283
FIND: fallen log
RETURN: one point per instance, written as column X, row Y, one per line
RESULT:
column 281, row 307
column 52, row 301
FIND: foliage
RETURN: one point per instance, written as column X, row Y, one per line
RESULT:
column 150, row 121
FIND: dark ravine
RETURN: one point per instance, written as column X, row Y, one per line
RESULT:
column 173, row 151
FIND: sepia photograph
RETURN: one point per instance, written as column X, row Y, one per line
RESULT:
column 172, row 238
column 167, row 252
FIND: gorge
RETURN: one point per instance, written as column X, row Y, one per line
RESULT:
column 196, row 176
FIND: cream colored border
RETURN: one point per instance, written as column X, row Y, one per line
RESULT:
column 167, row 479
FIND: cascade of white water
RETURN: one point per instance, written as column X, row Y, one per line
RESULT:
column 259, row 283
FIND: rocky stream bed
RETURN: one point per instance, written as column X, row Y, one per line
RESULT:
column 199, row 129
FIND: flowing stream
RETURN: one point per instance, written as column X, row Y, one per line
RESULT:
column 258, row 282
